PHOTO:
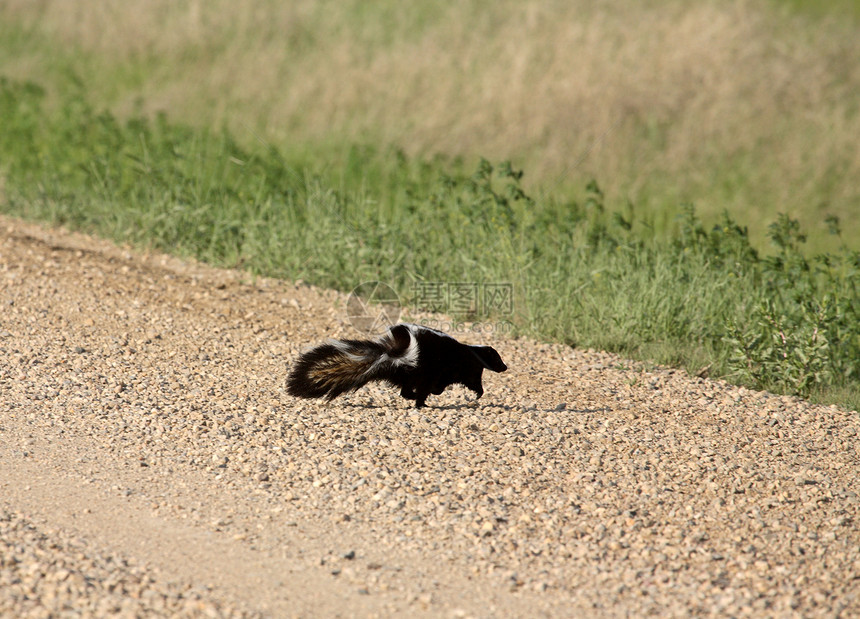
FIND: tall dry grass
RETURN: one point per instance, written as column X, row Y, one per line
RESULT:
column 729, row 104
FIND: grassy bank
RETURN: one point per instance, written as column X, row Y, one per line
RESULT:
column 581, row 273
column 746, row 106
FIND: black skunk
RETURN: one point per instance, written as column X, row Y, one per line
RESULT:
column 417, row 359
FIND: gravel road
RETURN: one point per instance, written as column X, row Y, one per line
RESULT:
column 152, row 464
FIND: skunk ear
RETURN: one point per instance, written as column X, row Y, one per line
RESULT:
column 489, row 358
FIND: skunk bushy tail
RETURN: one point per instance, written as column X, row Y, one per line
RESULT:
column 341, row 366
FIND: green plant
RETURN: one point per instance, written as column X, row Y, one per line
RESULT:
column 789, row 353
column 802, row 335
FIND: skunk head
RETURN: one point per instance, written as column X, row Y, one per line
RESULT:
column 489, row 358
column 484, row 357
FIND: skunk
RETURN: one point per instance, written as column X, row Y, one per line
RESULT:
column 417, row 359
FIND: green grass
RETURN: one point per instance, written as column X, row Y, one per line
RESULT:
column 838, row 9
column 582, row 273
column 745, row 106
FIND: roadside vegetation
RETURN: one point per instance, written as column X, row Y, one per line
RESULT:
column 696, row 295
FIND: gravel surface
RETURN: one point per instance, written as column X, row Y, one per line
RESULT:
column 48, row 573
column 151, row 463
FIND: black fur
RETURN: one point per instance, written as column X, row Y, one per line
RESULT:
column 440, row 361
